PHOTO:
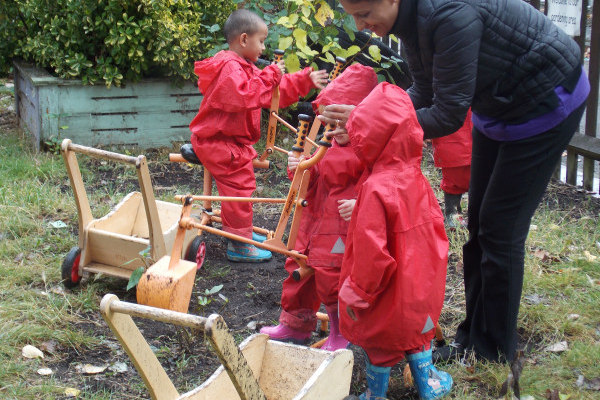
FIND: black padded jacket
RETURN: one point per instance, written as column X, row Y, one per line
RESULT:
column 501, row 57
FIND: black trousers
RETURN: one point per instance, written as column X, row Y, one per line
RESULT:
column 508, row 180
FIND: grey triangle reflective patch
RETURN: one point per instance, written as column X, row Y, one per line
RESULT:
column 339, row 247
column 428, row 325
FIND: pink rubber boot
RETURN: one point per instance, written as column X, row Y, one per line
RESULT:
column 335, row 341
column 284, row 333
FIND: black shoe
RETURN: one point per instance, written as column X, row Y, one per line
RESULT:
column 448, row 353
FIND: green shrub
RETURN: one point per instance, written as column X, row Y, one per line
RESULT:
column 116, row 40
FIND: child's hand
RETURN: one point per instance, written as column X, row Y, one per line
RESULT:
column 345, row 207
column 319, row 78
column 294, row 161
column 281, row 66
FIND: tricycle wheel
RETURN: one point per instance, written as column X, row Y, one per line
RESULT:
column 70, row 268
column 196, row 251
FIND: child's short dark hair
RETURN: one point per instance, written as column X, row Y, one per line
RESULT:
column 241, row 21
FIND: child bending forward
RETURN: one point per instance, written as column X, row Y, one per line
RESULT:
column 394, row 271
column 228, row 122
column 322, row 234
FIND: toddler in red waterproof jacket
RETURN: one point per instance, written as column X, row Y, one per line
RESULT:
column 394, row 270
column 228, row 122
column 452, row 154
column 322, row 234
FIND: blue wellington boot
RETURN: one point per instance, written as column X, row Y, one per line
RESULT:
column 378, row 379
column 243, row 252
column 258, row 237
column 430, row 383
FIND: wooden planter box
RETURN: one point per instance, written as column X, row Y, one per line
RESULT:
column 145, row 114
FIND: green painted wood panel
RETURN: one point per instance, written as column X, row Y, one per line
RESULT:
column 150, row 113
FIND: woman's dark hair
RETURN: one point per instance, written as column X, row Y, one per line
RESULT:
column 241, row 21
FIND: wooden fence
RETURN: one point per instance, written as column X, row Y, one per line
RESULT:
column 586, row 142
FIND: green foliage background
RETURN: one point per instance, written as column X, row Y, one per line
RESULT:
column 112, row 40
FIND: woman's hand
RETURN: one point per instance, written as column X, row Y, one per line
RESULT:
column 293, row 161
column 336, row 115
column 319, row 78
column 345, row 207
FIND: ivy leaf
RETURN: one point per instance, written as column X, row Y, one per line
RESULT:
column 352, row 50
column 213, row 290
column 135, row 277
column 285, row 42
column 325, row 14
column 292, row 63
column 375, row 52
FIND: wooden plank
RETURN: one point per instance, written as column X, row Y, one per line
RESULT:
column 287, row 367
column 156, row 379
column 218, row 385
column 150, row 113
column 331, row 380
column 109, row 270
column 233, row 359
column 585, row 145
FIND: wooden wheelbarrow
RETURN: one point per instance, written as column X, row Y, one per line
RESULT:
column 112, row 244
column 259, row 369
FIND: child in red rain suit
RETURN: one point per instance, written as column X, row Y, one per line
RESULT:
column 452, row 154
column 394, row 270
column 322, row 233
column 228, row 122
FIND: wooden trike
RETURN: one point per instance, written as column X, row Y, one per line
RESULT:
column 113, row 244
column 259, row 369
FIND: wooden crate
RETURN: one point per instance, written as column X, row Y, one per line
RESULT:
column 149, row 113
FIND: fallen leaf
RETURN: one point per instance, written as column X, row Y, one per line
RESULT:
column 533, row 227
column 534, row 298
column 72, row 392
column 118, row 367
column 57, row 224
column 49, row 346
column 573, row 317
column 44, row 371
column 558, row 347
column 30, row 351
column 251, row 325
column 545, row 256
column 90, row 369
column 18, row 257
column 589, row 256
column 589, row 384
column 552, row 394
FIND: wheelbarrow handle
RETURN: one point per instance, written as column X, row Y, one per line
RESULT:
column 107, row 155
column 109, row 302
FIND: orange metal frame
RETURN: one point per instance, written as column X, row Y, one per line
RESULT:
column 295, row 200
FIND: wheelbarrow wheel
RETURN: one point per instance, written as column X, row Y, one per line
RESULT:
column 196, row 251
column 70, row 268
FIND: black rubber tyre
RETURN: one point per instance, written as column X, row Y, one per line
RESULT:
column 196, row 252
column 70, row 268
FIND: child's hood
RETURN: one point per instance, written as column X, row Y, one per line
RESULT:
column 383, row 129
column 351, row 87
column 209, row 69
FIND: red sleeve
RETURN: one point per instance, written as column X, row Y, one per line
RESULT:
column 248, row 93
column 373, row 263
column 293, row 86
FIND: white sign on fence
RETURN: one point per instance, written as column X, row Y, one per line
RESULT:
column 566, row 14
